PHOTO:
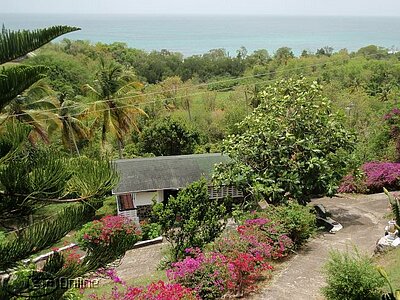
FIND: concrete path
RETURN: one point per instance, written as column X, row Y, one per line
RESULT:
column 362, row 217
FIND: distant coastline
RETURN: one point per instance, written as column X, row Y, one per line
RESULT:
column 197, row 34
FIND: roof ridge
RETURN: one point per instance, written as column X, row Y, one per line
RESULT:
column 167, row 157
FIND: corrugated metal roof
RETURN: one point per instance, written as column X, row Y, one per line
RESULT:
column 164, row 172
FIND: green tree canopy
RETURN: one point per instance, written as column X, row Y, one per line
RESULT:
column 292, row 146
column 168, row 137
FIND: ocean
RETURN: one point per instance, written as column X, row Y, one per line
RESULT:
column 197, row 34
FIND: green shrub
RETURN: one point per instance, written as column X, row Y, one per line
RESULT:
column 3, row 238
column 295, row 220
column 150, row 230
column 109, row 208
column 298, row 220
column 222, row 83
column 168, row 137
column 191, row 219
column 351, row 276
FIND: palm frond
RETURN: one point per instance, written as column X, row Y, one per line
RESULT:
column 41, row 90
column 92, row 93
column 15, row 44
column 16, row 80
column 78, row 128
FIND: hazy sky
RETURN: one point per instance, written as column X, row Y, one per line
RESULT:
column 275, row 7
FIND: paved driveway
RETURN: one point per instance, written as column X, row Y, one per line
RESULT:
column 362, row 217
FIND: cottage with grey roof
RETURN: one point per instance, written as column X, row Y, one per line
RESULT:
column 144, row 180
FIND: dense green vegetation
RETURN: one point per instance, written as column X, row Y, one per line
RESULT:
column 209, row 93
column 34, row 176
column 191, row 219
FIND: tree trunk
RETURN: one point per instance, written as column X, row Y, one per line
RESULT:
column 120, row 149
column 73, row 139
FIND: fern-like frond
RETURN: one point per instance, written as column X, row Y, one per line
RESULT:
column 15, row 44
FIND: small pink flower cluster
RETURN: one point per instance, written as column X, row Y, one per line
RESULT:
column 392, row 114
column 348, row 185
column 112, row 274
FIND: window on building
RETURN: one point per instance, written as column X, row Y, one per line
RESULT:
column 126, row 202
column 225, row 191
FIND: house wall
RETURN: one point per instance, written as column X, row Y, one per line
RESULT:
column 146, row 198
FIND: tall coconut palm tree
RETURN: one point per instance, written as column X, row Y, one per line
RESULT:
column 35, row 107
column 72, row 128
column 115, row 94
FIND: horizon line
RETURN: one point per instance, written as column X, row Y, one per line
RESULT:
column 193, row 14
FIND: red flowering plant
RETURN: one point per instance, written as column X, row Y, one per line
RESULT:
column 351, row 184
column 246, row 261
column 109, row 231
column 246, row 270
column 154, row 291
column 248, row 251
column 71, row 257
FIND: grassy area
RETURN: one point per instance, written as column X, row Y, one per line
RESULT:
column 104, row 289
column 109, row 207
column 49, row 210
column 390, row 261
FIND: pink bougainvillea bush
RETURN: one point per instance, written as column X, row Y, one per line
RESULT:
column 381, row 174
column 108, row 231
column 206, row 273
column 377, row 175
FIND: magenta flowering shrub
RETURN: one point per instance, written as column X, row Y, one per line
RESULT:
column 107, row 231
column 111, row 274
column 206, row 273
column 381, row 174
column 377, row 175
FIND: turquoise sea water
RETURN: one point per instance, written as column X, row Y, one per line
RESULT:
column 198, row 34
